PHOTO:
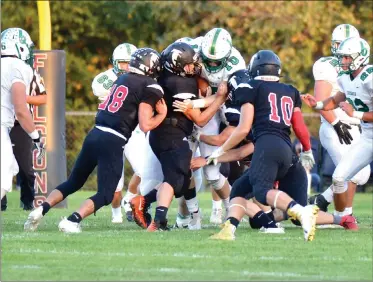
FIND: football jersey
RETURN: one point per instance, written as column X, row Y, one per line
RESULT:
column 102, row 83
column 12, row 70
column 359, row 93
column 120, row 109
column 273, row 103
column 177, row 88
column 326, row 69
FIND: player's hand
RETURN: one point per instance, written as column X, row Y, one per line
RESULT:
column 347, row 108
column 309, row 100
column 208, row 91
column 40, row 147
column 307, row 160
column 213, row 158
column 182, row 106
column 161, row 107
column 194, row 137
column 343, row 133
column 222, row 89
column 197, row 163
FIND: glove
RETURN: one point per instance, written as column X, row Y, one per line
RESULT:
column 307, row 160
column 343, row 133
column 213, row 158
column 40, row 147
column 194, row 137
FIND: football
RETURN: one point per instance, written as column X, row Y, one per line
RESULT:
column 202, row 85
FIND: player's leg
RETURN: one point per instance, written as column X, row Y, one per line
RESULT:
column 9, row 166
column 116, row 211
column 83, row 167
column 109, row 171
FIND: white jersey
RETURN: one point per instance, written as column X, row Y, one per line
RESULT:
column 326, row 68
column 12, row 70
column 102, row 83
column 359, row 93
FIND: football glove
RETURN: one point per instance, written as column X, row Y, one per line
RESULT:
column 307, row 160
column 40, row 147
column 343, row 133
column 213, row 158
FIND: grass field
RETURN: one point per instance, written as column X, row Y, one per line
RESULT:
column 104, row 251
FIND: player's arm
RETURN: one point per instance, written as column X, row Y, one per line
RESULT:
column 36, row 100
column 217, row 140
column 328, row 104
column 350, row 111
column 322, row 91
column 147, row 119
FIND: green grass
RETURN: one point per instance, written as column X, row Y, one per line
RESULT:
column 104, row 251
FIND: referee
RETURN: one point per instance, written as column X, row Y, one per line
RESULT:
column 23, row 145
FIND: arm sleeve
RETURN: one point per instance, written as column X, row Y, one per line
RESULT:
column 323, row 70
column 301, row 130
column 23, row 75
column 98, row 88
column 152, row 94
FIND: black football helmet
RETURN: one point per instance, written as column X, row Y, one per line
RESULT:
column 145, row 61
column 265, row 63
column 240, row 76
column 177, row 55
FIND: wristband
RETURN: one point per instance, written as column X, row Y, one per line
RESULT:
column 34, row 134
column 197, row 104
column 319, row 105
column 357, row 114
column 335, row 121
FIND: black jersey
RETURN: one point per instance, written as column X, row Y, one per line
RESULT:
column 120, row 109
column 176, row 88
column 273, row 102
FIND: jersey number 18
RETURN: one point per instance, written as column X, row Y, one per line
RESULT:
column 119, row 94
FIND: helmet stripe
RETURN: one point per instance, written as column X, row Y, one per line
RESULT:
column 213, row 45
column 347, row 30
column 128, row 49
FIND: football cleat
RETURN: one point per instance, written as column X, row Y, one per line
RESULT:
column 68, row 226
column 127, row 209
column 138, row 211
column 349, row 223
column 157, row 226
column 33, row 219
column 181, row 222
column 320, row 201
column 195, row 222
column 117, row 219
column 226, row 233
column 216, row 216
column 307, row 217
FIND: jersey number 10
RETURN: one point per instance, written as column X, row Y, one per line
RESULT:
column 287, row 106
column 119, row 94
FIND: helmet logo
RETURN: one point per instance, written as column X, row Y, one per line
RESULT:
column 364, row 51
column 175, row 55
column 153, row 60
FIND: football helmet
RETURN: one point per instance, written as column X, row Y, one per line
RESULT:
column 122, row 53
column 356, row 48
column 216, row 48
column 265, row 63
column 177, row 55
column 145, row 61
column 340, row 33
column 17, row 42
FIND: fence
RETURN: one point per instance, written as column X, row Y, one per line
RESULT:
column 78, row 125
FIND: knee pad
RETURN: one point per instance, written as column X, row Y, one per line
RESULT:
column 339, row 187
column 218, row 183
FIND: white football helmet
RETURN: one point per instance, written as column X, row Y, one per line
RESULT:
column 122, row 53
column 356, row 48
column 17, row 42
column 194, row 43
column 216, row 48
column 340, row 33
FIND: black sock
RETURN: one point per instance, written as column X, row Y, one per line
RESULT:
column 234, row 221
column 151, row 197
column 190, row 193
column 46, row 207
column 264, row 220
column 291, row 204
column 75, row 217
column 161, row 214
column 271, row 215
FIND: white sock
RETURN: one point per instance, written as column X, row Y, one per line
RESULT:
column 296, row 208
column 192, row 205
column 348, row 211
column 216, row 205
column 117, row 212
column 129, row 196
column 339, row 213
column 328, row 194
column 226, row 203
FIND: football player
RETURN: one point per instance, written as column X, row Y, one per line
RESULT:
column 273, row 105
column 16, row 77
column 101, row 86
column 338, row 130
column 355, row 99
column 133, row 99
column 169, row 140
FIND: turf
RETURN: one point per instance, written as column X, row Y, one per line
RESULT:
column 104, row 251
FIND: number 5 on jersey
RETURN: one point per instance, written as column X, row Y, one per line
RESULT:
column 287, row 106
column 118, row 95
